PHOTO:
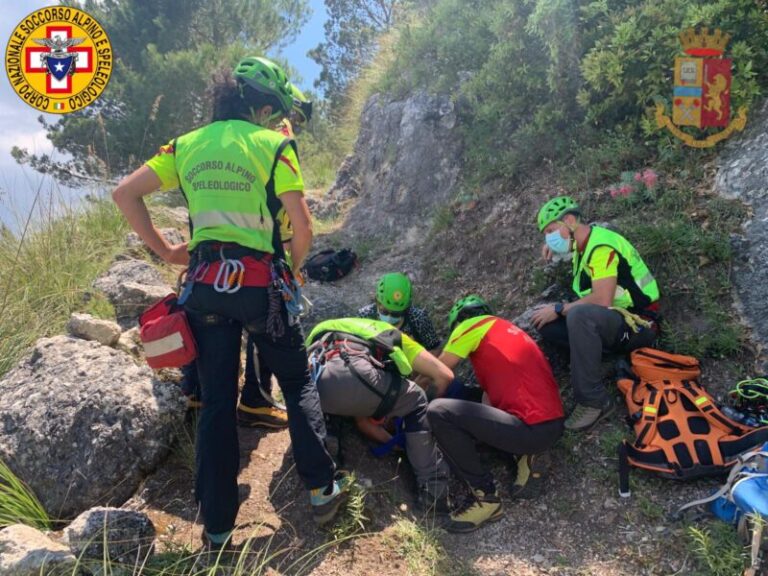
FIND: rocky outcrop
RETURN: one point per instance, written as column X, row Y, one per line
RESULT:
column 743, row 174
column 172, row 235
column 130, row 343
column 129, row 535
column 406, row 162
column 82, row 424
column 87, row 327
column 25, row 551
column 132, row 285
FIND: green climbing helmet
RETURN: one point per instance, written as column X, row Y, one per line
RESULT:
column 394, row 292
column 555, row 209
column 266, row 77
column 473, row 303
column 302, row 107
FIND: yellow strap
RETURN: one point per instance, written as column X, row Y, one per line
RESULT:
column 701, row 400
column 650, row 409
column 634, row 321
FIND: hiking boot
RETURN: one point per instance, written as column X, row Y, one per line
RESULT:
column 428, row 504
column 326, row 501
column 264, row 416
column 583, row 418
column 477, row 509
column 531, row 470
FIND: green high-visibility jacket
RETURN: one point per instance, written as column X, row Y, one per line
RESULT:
column 636, row 287
column 403, row 349
column 224, row 169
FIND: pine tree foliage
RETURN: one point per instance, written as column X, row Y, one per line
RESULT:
column 165, row 51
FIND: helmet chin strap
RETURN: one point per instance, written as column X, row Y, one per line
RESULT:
column 272, row 117
column 571, row 235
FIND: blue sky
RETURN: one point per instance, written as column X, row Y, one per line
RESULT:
column 310, row 36
column 19, row 126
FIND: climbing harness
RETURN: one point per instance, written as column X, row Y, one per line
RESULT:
column 284, row 282
column 335, row 344
column 633, row 324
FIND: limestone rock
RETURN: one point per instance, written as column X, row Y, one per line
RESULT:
column 130, row 343
column 172, row 235
column 25, row 551
column 132, row 285
column 525, row 322
column 82, row 424
column 177, row 215
column 87, row 327
column 743, row 174
column 406, row 161
column 129, row 535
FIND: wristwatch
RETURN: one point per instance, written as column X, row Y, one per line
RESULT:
column 559, row 307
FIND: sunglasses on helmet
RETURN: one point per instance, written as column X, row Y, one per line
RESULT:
column 302, row 111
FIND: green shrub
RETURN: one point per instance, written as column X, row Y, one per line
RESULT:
column 18, row 504
column 553, row 81
column 684, row 237
column 46, row 274
column 716, row 549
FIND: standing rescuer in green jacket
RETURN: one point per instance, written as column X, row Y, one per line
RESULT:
column 236, row 173
column 616, row 309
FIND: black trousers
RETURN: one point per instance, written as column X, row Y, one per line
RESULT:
column 251, row 394
column 588, row 331
column 217, row 321
column 458, row 425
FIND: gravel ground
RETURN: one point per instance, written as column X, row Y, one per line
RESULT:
column 579, row 526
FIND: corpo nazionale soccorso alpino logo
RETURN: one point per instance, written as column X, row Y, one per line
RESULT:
column 58, row 59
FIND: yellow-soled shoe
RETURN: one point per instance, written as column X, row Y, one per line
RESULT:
column 266, row 416
column 531, row 474
column 478, row 509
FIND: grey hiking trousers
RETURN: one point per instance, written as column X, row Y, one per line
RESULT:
column 588, row 330
column 343, row 394
column 459, row 425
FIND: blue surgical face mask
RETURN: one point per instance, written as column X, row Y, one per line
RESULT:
column 394, row 320
column 557, row 243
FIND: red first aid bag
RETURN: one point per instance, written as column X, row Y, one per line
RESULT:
column 165, row 333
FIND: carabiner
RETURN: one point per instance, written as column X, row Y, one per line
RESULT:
column 199, row 272
column 229, row 278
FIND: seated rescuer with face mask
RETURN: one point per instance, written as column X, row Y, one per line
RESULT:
column 616, row 310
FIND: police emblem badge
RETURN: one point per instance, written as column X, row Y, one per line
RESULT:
column 702, row 90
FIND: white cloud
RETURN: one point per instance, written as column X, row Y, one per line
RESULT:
column 34, row 141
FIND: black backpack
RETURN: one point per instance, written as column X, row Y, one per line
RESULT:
column 329, row 265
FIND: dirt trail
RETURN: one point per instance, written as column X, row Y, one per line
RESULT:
column 578, row 527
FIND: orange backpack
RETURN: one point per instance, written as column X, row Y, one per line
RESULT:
column 681, row 433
